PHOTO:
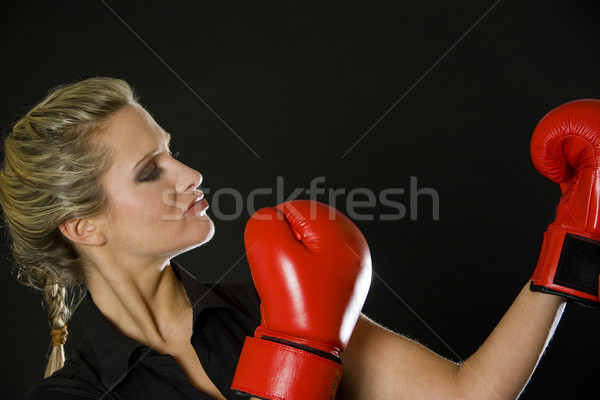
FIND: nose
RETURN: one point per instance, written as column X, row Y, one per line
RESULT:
column 188, row 180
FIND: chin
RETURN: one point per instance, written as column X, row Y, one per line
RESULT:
column 210, row 232
column 200, row 238
column 203, row 237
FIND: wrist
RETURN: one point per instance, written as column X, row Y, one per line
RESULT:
column 273, row 370
column 312, row 346
column 569, row 266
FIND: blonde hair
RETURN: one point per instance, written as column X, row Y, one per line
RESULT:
column 51, row 173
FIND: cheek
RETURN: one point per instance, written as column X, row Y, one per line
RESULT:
column 135, row 213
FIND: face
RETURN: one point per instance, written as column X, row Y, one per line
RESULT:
column 155, row 208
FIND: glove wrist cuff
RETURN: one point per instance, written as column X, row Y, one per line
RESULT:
column 569, row 266
column 274, row 370
column 312, row 346
column 313, row 350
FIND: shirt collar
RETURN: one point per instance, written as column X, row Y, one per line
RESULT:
column 202, row 296
column 113, row 350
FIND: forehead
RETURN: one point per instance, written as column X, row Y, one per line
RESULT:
column 131, row 133
column 133, row 122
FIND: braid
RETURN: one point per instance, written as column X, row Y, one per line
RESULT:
column 58, row 315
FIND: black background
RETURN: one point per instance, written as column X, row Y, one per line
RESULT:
column 253, row 91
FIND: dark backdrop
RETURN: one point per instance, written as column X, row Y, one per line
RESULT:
column 269, row 95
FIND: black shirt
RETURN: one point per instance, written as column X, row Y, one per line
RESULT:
column 109, row 365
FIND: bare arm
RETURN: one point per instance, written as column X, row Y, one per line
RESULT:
column 379, row 364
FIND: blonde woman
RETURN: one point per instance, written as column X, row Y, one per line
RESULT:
column 82, row 190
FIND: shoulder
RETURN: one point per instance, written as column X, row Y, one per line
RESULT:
column 75, row 380
column 44, row 393
column 63, row 387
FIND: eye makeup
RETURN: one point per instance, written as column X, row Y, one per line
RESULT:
column 150, row 173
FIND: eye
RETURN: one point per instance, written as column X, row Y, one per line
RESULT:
column 150, row 173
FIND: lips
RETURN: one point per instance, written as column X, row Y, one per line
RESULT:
column 197, row 205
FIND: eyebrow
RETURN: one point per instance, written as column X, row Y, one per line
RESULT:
column 152, row 153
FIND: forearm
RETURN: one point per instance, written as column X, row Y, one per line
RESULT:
column 379, row 364
column 502, row 366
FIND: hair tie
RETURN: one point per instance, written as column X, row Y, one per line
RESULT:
column 59, row 336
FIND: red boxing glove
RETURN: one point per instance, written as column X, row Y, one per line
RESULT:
column 565, row 148
column 312, row 269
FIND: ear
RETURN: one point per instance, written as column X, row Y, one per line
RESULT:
column 83, row 231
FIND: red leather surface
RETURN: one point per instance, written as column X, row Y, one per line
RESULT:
column 312, row 269
column 565, row 147
column 275, row 371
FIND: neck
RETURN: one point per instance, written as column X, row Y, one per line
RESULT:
column 143, row 302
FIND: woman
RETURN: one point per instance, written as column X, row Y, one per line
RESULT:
column 93, row 198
